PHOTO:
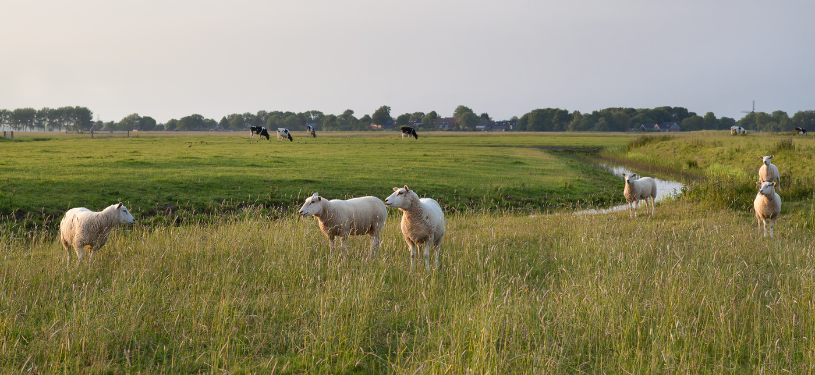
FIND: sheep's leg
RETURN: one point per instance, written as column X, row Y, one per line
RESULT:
column 636, row 206
column 772, row 224
column 331, row 245
column 630, row 215
column 412, row 248
column 80, row 252
column 427, row 254
column 653, row 205
column 344, row 241
column 375, row 241
column 438, row 247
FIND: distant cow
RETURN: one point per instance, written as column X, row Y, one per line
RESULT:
column 800, row 131
column 410, row 132
column 310, row 131
column 260, row 131
column 735, row 129
column 284, row 133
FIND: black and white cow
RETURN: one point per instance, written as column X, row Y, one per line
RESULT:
column 284, row 133
column 800, row 131
column 310, row 131
column 260, row 131
column 410, row 132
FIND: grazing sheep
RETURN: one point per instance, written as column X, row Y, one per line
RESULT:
column 83, row 228
column 422, row 222
column 767, row 205
column 341, row 218
column 636, row 190
column 768, row 171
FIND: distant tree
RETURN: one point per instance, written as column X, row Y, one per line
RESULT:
column 486, row 116
column 460, row 110
column 693, row 123
column 159, row 127
column 171, row 125
column 224, row 123
column 429, row 119
column 403, row 119
column 236, row 121
column 382, row 115
column 710, row 122
column 129, row 122
column 82, row 118
column 147, row 123
column 191, row 123
column 513, row 118
column 803, row 119
column 330, row 122
column 209, row 124
column 291, row 122
column 416, row 116
column 23, row 118
column 365, row 122
column 783, row 120
column 250, row 119
column 467, row 121
column 726, row 122
column 601, row 125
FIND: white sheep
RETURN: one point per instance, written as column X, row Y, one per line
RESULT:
column 768, row 171
column 422, row 222
column 81, row 228
column 341, row 218
column 636, row 190
column 767, row 205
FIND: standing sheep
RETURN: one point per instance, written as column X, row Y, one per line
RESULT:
column 768, row 171
column 422, row 222
column 636, row 190
column 83, row 228
column 767, row 205
column 340, row 218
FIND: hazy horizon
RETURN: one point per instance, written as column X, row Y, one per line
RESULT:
column 172, row 59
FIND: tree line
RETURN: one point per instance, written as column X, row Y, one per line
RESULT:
column 545, row 119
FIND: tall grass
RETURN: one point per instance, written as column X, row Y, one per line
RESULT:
column 689, row 290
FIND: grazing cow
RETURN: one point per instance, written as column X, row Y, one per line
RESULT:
column 260, row 131
column 284, row 133
column 310, row 131
column 735, row 129
column 800, row 131
column 410, row 132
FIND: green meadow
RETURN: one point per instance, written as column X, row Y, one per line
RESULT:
column 228, row 279
column 157, row 175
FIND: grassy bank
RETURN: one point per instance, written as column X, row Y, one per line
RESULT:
column 169, row 176
column 690, row 290
column 722, row 170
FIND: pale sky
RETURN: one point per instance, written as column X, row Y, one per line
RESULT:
column 169, row 58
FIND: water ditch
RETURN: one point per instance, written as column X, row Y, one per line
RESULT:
column 665, row 188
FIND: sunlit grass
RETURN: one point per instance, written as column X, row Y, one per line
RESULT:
column 690, row 290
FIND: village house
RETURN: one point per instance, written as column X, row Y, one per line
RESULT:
column 663, row 127
column 484, row 125
column 445, row 123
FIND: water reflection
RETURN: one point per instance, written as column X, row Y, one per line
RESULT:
column 665, row 188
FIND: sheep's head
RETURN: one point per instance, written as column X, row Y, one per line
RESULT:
column 313, row 206
column 629, row 177
column 399, row 198
column 766, row 188
column 123, row 215
column 766, row 159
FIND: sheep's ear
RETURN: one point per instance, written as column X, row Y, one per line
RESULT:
column 623, row 174
column 316, row 195
column 119, row 205
column 773, row 183
column 395, row 189
column 406, row 188
column 772, row 156
column 758, row 183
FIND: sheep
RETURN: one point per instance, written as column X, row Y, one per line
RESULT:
column 636, row 190
column 422, row 222
column 768, row 171
column 83, row 228
column 341, row 218
column 767, row 205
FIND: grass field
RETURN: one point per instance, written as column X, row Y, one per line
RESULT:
column 693, row 289
column 157, row 175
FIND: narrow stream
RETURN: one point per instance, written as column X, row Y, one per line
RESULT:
column 665, row 189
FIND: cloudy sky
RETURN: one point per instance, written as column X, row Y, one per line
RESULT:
column 170, row 58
